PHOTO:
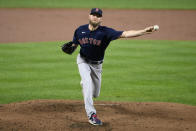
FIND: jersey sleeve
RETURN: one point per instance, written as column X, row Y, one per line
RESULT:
column 75, row 38
column 113, row 34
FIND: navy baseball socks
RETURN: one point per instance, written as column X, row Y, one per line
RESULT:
column 94, row 120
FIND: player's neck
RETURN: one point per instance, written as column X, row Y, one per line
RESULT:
column 92, row 28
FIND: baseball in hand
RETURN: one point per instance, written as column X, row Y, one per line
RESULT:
column 156, row 27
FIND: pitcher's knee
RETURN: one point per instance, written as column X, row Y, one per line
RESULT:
column 95, row 95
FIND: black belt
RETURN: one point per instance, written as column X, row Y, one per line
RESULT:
column 91, row 61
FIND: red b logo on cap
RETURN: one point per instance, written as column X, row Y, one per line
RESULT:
column 97, row 9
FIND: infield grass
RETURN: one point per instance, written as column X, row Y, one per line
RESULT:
column 133, row 70
column 117, row 4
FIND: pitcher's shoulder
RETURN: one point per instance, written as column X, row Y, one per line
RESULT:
column 83, row 26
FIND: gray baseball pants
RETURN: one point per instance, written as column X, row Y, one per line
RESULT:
column 90, row 81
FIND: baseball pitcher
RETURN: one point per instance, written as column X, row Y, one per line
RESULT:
column 93, row 40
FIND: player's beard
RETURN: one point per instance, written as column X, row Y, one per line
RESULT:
column 94, row 24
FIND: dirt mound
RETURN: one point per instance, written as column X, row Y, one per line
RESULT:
column 64, row 115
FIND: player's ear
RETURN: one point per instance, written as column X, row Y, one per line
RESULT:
column 89, row 17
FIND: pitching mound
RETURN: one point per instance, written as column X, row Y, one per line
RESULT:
column 63, row 115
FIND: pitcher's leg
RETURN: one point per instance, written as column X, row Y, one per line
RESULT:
column 96, row 72
column 85, row 71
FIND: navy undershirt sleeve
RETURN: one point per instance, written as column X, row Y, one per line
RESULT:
column 75, row 40
column 113, row 34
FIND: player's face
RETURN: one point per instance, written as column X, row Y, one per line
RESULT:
column 95, row 20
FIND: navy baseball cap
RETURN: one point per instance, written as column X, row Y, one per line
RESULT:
column 96, row 11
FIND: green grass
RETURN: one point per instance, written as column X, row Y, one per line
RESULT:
column 133, row 70
column 119, row 4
